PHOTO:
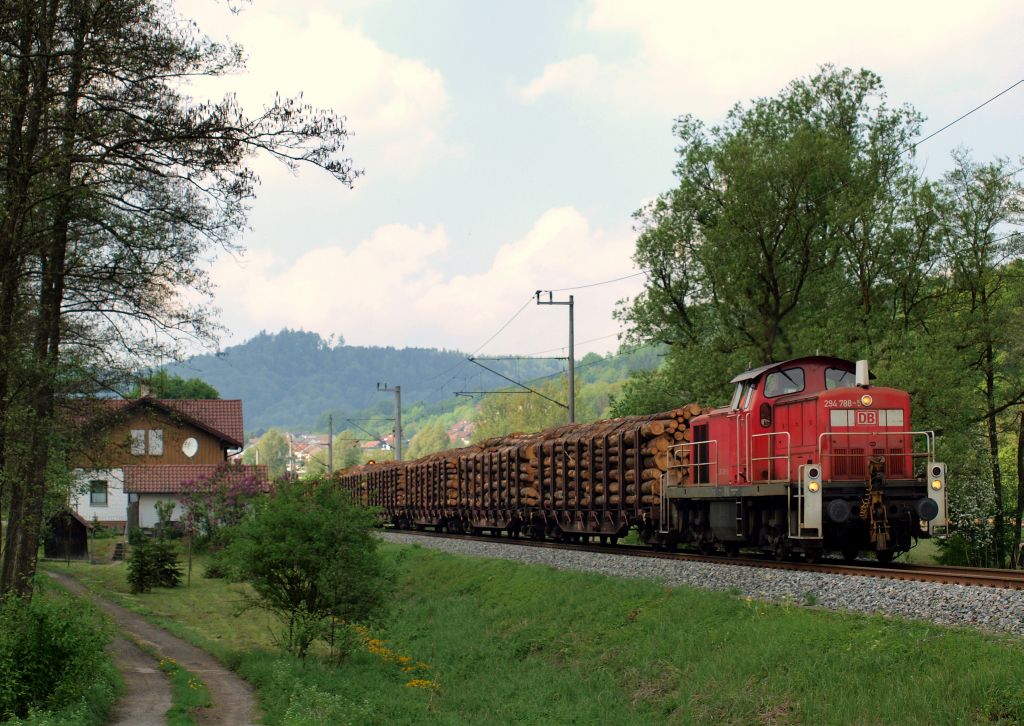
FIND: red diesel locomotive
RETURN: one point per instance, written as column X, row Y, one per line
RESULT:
column 808, row 457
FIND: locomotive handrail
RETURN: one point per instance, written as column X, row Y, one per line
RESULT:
column 770, row 458
column 711, row 463
column 928, row 436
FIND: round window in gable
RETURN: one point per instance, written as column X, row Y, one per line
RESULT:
column 190, row 447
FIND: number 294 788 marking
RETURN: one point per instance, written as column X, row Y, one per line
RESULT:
column 845, row 403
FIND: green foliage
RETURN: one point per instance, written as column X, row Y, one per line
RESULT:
column 170, row 385
column 153, row 562
column 293, row 378
column 311, row 560
column 53, row 662
column 517, row 410
column 432, row 437
column 273, row 451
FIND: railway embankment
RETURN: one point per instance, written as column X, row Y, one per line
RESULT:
column 483, row 639
column 991, row 608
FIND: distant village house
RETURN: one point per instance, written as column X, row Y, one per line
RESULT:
column 152, row 449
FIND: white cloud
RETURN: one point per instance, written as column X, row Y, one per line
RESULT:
column 396, row 107
column 701, row 58
column 390, row 288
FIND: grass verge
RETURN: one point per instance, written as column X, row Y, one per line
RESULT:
column 472, row 641
column 187, row 693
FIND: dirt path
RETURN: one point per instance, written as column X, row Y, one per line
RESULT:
column 233, row 700
column 147, row 691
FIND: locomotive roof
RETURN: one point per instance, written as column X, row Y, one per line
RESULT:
column 755, row 373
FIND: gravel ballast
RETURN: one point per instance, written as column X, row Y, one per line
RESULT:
column 982, row 607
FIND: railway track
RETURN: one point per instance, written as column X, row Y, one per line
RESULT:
column 967, row 576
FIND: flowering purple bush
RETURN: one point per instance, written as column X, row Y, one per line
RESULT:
column 219, row 500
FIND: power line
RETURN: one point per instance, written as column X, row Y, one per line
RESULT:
column 596, row 284
column 526, row 389
column 502, row 328
column 456, row 366
column 562, row 347
column 961, row 118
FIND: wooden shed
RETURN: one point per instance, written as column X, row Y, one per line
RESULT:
column 67, row 537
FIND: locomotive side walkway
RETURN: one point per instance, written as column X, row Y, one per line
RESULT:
column 147, row 699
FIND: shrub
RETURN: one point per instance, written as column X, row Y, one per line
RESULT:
column 153, row 563
column 52, row 661
column 312, row 561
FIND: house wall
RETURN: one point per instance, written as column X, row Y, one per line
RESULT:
column 118, row 449
column 116, row 510
column 147, row 509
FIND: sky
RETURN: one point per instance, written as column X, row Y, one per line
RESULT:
column 505, row 145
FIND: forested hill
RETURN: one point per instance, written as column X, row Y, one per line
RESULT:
column 291, row 378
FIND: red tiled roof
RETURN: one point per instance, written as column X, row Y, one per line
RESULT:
column 172, row 478
column 218, row 416
column 223, row 415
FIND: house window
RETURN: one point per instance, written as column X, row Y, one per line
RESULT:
column 155, row 439
column 98, row 493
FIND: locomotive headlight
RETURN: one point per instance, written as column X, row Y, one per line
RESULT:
column 936, row 484
column 813, row 486
column 866, row 400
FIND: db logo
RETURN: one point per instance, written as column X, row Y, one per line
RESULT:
column 867, row 418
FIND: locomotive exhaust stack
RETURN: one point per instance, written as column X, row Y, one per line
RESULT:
column 863, row 376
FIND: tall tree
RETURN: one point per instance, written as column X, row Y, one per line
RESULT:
column 115, row 185
column 788, row 217
column 982, row 204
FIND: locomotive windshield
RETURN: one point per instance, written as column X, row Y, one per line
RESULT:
column 836, row 378
column 780, row 383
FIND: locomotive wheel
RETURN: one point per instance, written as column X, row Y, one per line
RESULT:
column 850, row 555
column 782, row 550
column 732, row 549
column 813, row 555
column 885, row 556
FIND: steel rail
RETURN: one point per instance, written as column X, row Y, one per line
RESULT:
column 967, row 576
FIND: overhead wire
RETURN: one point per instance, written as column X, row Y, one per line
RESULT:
column 458, row 365
column 837, row 188
column 961, row 118
column 597, row 284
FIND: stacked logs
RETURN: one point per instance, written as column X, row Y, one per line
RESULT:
column 604, row 465
column 433, row 480
column 613, row 464
column 376, row 485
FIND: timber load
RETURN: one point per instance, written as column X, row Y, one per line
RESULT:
column 610, row 466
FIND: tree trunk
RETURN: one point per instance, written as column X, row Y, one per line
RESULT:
column 1017, row 555
column 999, row 522
column 20, row 566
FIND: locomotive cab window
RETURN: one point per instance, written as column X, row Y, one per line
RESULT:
column 784, row 382
column 742, row 396
column 836, row 378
